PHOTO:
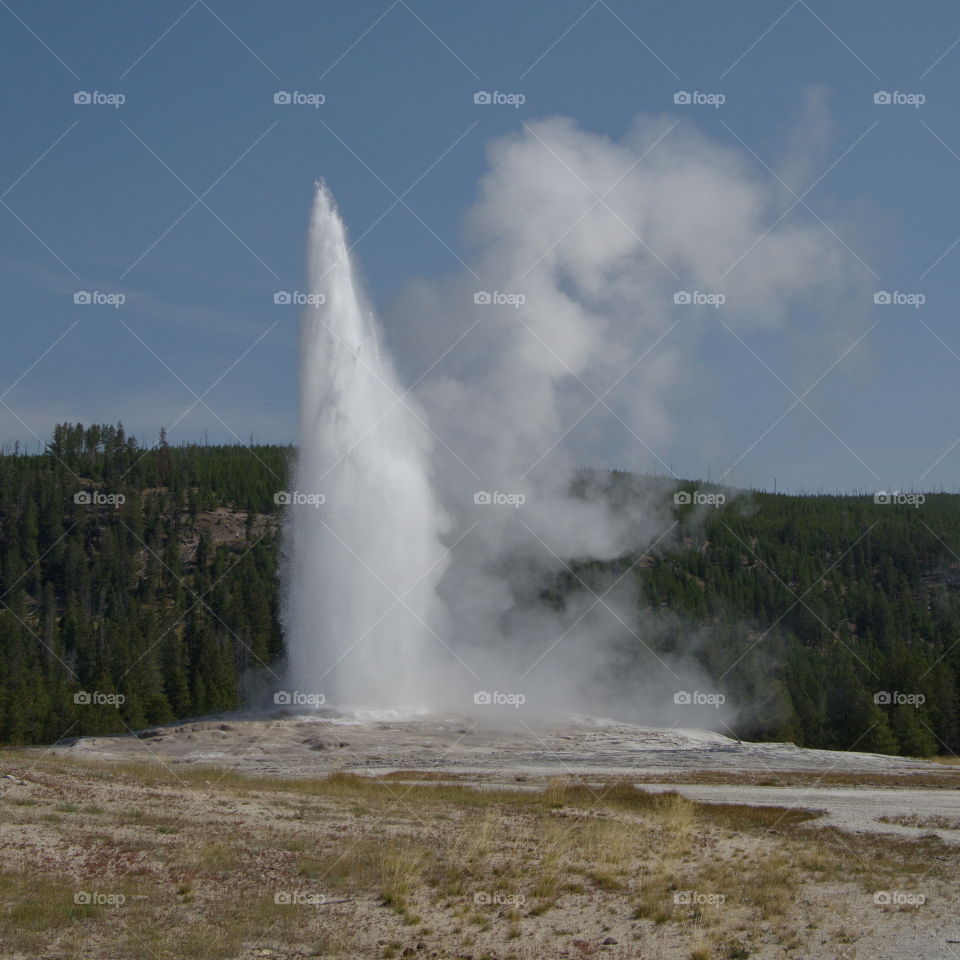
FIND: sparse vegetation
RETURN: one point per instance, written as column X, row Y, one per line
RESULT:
column 456, row 868
column 923, row 822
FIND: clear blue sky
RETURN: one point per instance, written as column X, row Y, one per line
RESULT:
column 99, row 198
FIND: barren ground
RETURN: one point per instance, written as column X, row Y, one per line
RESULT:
column 239, row 838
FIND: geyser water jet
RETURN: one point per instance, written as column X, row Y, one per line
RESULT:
column 363, row 550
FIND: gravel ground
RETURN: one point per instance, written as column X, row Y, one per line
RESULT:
column 79, row 823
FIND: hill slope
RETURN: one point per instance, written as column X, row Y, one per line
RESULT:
column 150, row 575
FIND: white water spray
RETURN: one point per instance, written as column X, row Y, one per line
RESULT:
column 361, row 613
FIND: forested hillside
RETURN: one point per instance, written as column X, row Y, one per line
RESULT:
column 810, row 612
column 150, row 575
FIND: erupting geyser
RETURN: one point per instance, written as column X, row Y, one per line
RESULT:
column 363, row 553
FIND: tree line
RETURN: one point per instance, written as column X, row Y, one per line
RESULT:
column 120, row 604
column 139, row 586
column 828, row 621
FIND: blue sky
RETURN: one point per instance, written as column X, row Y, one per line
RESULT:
column 191, row 198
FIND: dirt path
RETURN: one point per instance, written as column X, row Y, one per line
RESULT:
column 857, row 809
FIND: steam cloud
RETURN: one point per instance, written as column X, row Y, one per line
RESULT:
column 595, row 237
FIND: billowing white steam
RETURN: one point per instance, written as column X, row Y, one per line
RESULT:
column 596, row 367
